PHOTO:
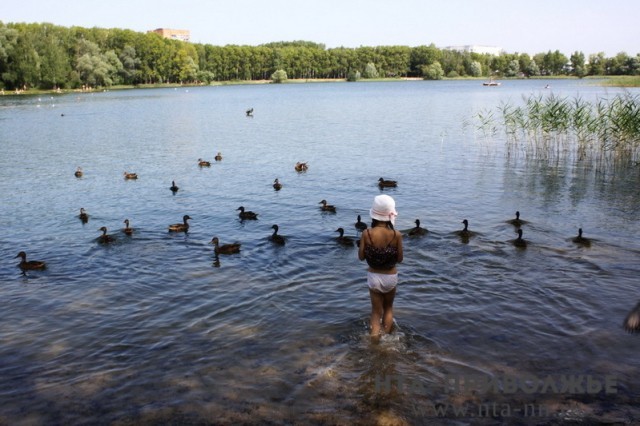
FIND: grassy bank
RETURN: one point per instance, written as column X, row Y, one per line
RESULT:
column 610, row 81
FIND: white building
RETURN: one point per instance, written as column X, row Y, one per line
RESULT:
column 476, row 48
column 183, row 35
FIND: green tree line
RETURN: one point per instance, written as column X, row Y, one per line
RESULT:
column 46, row 56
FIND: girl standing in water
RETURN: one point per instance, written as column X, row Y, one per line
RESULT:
column 381, row 247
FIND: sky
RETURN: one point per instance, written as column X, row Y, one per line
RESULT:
column 533, row 26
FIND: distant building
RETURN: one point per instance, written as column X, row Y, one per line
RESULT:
column 183, row 35
column 475, row 48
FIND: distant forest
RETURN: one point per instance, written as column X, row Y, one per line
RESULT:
column 46, row 56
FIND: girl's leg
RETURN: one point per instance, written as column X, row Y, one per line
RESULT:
column 387, row 308
column 376, row 312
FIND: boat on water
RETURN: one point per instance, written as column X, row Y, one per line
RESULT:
column 491, row 82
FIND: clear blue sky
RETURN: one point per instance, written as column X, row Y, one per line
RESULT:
column 532, row 26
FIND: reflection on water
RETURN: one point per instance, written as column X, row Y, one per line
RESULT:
column 155, row 328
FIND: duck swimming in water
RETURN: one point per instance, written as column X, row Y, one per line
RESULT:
column 277, row 185
column 417, row 231
column 83, row 216
column 579, row 239
column 517, row 222
column 180, row 227
column 225, row 248
column 30, row 265
column 464, row 233
column 173, row 186
column 203, row 163
column 345, row 241
column 128, row 175
column 327, row 207
column 105, row 238
column 360, row 225
column 78, row 173
column 275, row 237
column 126, row 229
column 249, row 215
column 218, row 157
column 301, row 167
column 382, row 183
column 519, row 242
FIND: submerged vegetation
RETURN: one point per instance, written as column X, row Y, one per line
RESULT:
column 601, row 133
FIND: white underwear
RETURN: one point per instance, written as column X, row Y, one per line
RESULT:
column 383, row 283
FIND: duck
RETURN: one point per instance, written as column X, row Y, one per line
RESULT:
column 417, row 230
column 203, row 163
column 517, row 222
column 345, row 241
column 218, row 157
column 632, row 321
column 382, row 183
column 301, row 167
column 327, row 207
column 128, row 175
column 83, row 216
column 30, row 265
column 465, row 233
column 173, row 186
column 579, row 239
column 275, row 237
column 126, row 229
column 78, row 173
column 277, row 185
column 225, row 248
column 247, row 214
column 180, row 227
column 249, row 112
column 360, row 225
column 105, row 238
column 519, row 242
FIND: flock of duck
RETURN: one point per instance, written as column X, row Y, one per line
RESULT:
column 631, row 323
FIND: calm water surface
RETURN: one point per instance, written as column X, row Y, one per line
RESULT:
column 151, row 329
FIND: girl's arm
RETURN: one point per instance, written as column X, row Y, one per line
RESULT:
column 399, row 246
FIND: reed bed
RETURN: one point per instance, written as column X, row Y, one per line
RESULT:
column 601, row 133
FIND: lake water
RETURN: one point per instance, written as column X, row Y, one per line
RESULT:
column 151, row 329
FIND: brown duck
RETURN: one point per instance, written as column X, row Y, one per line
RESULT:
column 579, row 239
column 105, row 238
column 345, row 241
column 247, row 215
column 301, row 167
column 180, row 227
column 275, row 237
column 83, row 216
column 327, row 207
column 417, row 230
column 127, row 230
column 225, row 248
column 383, row 183
column 30, row 265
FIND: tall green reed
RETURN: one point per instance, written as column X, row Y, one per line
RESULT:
column 552, row 126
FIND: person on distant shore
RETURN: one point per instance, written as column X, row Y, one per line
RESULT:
column 381, row 247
